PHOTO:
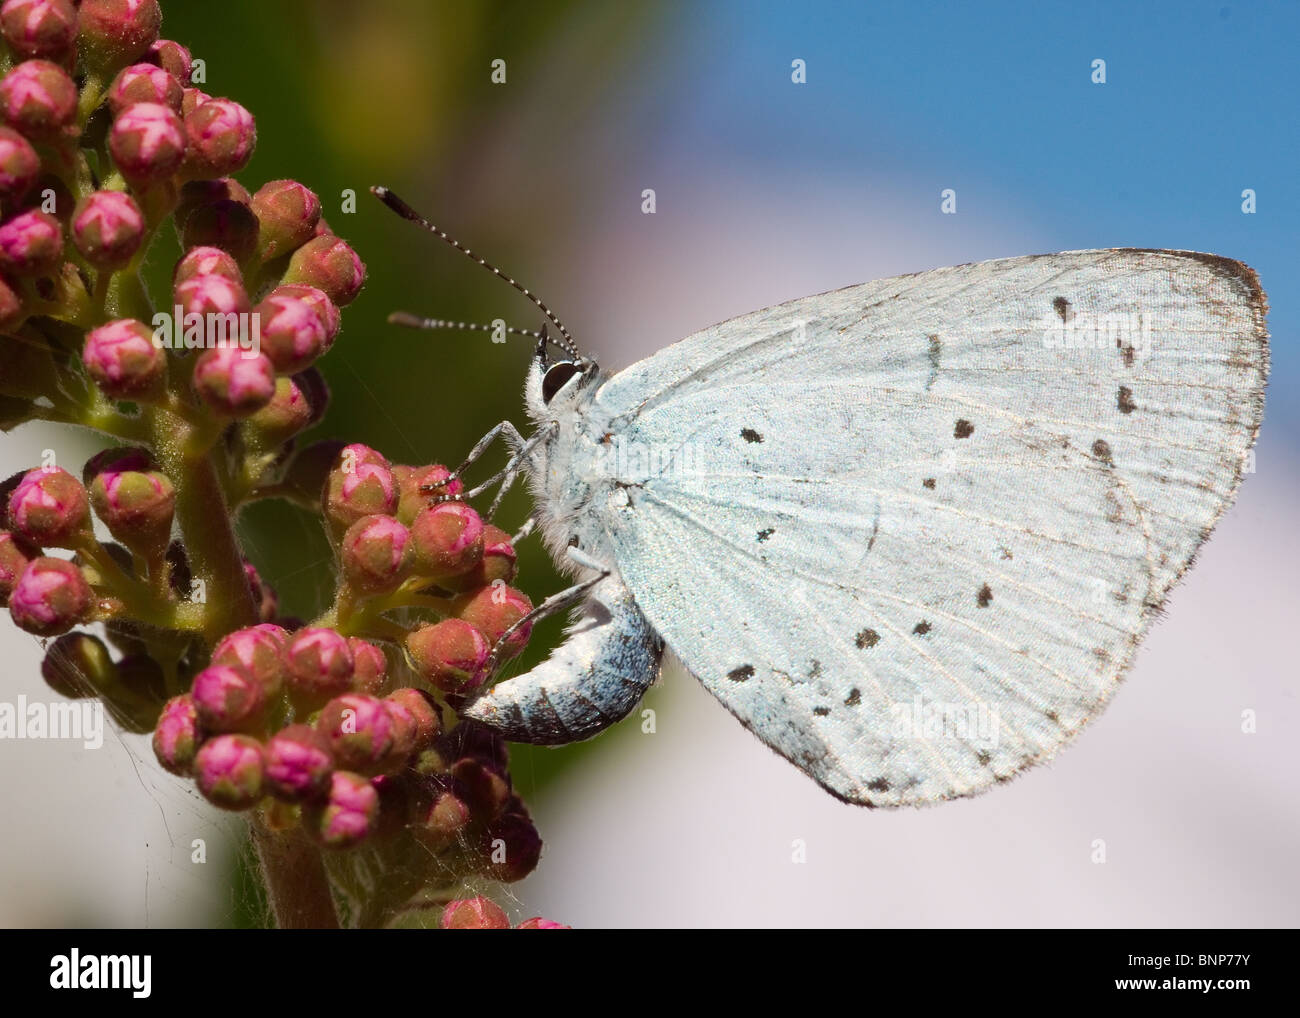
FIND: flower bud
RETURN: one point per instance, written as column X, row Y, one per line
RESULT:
column 107, row 228
column 517, row 834
column 144, row 83
column 176, row 736
column 78, row 664
column 359, row 484
column 444, row 821
column 112, row 33
column 298, row 764
column 197, row 193
column 137, row 508
column 147, row 142
column 38, row 98
column 326, row 308
column 232, row 384
column 31, row 243
column 173, row 58
column 373, row 554
column 11, row 311
column 258, row 651
column 498, row 563
column 446, row 540
column 288, row 213
column 450, row 654
column 206, row 261
column 370, row 666
column 482, row 785
column 192, row 99
column 39, row 28
column 294, row 333
column 495, row 609
column 228, row 699
column 405, row 731
column 19, row 164
column 360, row 731
column 50, row 597
column 538, row 923
column 287, row 414
column 268, row 604
column 48, row 507
column 230, row 770
column 211, row 295
column 331, row 266
column 349, row 814
column 412, row 482
column 425, row 715
column 15, row 552
column 124, row 361
column 320, row 664
column 474, row 914
column 221, row 136
column 226, row 224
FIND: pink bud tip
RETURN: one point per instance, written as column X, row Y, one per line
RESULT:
column 474, row 914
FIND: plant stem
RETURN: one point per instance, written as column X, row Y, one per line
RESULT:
column 296, row 884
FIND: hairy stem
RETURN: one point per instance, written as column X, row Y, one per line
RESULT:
column 296, row 885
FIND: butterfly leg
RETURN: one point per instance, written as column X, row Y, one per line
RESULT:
column 526, row 530
column 610, row 656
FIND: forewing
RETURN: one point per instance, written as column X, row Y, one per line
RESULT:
column 910, row 532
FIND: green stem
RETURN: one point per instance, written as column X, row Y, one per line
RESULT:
column 296, row 884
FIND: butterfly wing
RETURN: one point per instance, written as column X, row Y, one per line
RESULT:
column 910, row 532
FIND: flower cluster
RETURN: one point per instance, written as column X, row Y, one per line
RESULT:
column 345, row 728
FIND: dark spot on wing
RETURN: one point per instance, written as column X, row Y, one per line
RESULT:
column 936, row 350
column 1125, row 400
column 879, row 785
column 1062, row 308
column 1101, row 449
column 854, row 698
column 750, row 435
column 1006, row 553
column 963, row 429
column 765, row 533
column 985, row 597
column 821, row 712
column 983, row 758
column 1051, row 716
column 928, row 483
column 867, row 638
column 1126, row 352
column 742, row 674
column 921, row 628
column 815, row 670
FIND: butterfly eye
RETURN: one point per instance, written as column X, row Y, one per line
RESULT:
column 555, row 378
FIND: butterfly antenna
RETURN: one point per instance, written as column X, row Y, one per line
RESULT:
column 410, row 321
column 406, row 212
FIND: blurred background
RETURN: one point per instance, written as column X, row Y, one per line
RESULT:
column 765, row 190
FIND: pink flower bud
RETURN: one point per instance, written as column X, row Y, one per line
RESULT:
column 293, row 331
column 228, row 699
column 221, row 136
column 497, row 564
column 482, row 785
column 514, row 831
column 39, row 28
column 330, row 265
column 206, row 261
column 258, row 651
column 113, row 33
column 288, row 413
column 227, row 224
column 495, row 609
column 19, row 164
column 538, row 923
column 288, row 213
column 124, row 361
column 50, row 597
column 325, row 307
column 136, row 506
column 232, row 384
column 360, row 484
column 107, row 228
column 474, row 914
column 197, row 193
column 144, row 83
column 298, row 764
column 413, row 482
column 446, row 540
column 38, row 98
column 444, row 821
column 451, row 654
column 31, row 243
column 192, row 99
column 424, row 714
column 230, row 770
column 349, row 814
column 373, row 553
column 360, row 731
column 176, row 736
column 211, row 294
column 173, row 58
column 49, row 508
column 370, row 666
column 77, row 665
column 319, row 662
column 268, row 605
column 15, row 552
column 147, row 142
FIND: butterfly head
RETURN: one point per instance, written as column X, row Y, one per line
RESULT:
column 556, row 385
